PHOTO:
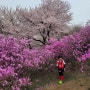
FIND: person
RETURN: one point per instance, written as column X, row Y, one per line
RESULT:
column 61, row 67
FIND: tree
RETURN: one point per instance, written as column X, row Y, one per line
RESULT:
column 75, row 28
column 1, row 27
column 9, row 20
column 48, row 20
column 52, row 17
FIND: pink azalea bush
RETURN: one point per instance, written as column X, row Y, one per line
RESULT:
column 17, row 61
column 11, row 62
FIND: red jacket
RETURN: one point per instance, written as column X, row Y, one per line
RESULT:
column 60, row 64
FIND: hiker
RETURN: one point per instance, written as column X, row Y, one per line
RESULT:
column 61, row 67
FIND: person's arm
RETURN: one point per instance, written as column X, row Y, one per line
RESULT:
column 64, row 64
column 57, row 64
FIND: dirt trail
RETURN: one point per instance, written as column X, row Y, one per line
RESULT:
column 81, row 83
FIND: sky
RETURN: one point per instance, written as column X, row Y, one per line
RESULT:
column 79, row 8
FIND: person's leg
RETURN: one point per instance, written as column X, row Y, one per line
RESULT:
column 62, row 74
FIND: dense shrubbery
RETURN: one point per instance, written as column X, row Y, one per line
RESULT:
column 13, row 63
column 17, row 61
column 73, row 46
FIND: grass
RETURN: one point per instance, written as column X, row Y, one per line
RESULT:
column 42, row 79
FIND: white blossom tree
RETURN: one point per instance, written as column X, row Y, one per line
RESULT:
column 50, row 19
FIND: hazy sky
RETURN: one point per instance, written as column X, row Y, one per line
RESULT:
column 79, row 8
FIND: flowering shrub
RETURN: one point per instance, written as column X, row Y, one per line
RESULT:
column 11, row 62
column 76, row 45
column 17, row 60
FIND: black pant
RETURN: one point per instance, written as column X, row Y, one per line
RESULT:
column 61, row 72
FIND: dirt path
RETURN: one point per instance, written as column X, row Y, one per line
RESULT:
column 80, row 83
column 71, row 85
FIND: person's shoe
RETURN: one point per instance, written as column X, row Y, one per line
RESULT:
column 60, row 82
